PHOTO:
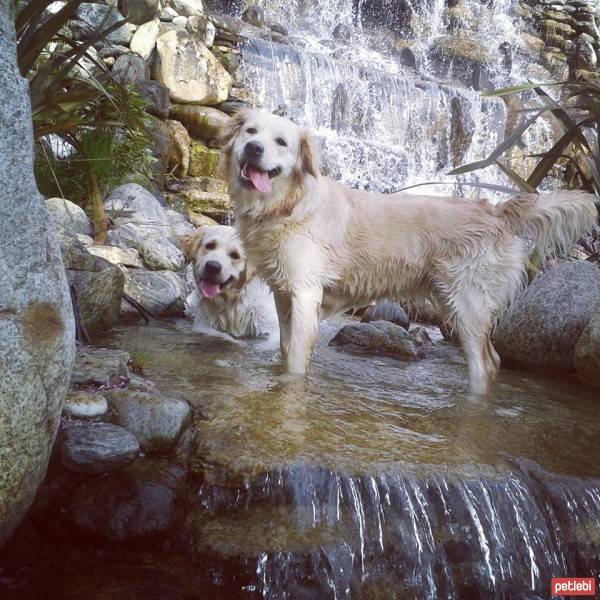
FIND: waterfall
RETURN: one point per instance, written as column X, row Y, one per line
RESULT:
column 387, row 87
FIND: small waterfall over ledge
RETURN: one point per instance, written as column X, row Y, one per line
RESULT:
column 387, row 88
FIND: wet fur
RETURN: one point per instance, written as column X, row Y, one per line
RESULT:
column 324, row 248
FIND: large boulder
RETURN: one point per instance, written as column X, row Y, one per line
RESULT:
column 131, row 203
column 190, row 70
column 140, row 12
column 180, row 158
column 37, row 330
column 587, row 351
column 98, row 292
column 144, row 39
column 541, row 329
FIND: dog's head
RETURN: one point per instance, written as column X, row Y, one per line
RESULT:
column 266, row 157
column 219, row 264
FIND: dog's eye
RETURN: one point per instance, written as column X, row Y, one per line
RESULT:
column 234, row 255
column 210, row 245
column 280, row 142
column 251, row 130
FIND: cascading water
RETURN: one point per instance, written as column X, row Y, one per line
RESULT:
column 387, row 88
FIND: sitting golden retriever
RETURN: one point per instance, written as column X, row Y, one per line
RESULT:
column 324, row 248
column 226, row 301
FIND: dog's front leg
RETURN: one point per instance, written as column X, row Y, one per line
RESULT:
column 283, row 304
column 303, row 329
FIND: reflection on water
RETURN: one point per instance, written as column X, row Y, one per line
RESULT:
column 377, row 478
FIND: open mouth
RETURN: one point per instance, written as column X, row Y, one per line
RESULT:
column 209, row 289
column 259, row 179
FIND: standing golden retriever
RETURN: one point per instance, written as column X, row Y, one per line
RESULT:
column 323, row 247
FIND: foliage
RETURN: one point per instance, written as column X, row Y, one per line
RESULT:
column 576, row 153
column 74, row 98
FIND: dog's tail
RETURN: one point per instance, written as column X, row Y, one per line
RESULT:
column 554, row 221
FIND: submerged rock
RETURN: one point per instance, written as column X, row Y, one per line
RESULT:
column 99, row 366
column 386, row 311
column 156, row 421
column 96, row 447
column 142, row 501
column 542, row 328
column 587, row 351
column 381, row 337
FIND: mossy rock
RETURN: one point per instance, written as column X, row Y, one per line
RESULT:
column 202, row 196
column 204, row 162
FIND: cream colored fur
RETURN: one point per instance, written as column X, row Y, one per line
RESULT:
column 244, row 308
column 323, row 247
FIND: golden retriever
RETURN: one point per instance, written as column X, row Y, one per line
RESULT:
column 323, row 247
column 226, row 298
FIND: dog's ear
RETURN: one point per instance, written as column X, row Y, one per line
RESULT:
column 190, row 243
column 229, row 131
column 307, row 159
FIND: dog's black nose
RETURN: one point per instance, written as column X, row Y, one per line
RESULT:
column 212, row 267
column 254, row 149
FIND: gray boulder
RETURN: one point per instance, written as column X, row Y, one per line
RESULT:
column 386, row 311
column 156, row 421
column 140, row 11
column 126, row 257
column 68, row 217
column 130, row 68
column 157, row 97
column 382, row 337
column 96, row 447
column 91, row 16
column 587, row 351
column 37, row 331
column 160, row 292
column 131, row 203
column 99, row 366
column 541, row 329
column 99, row 292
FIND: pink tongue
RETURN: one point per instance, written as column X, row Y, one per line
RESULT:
column 260, row 179
column 209, row 290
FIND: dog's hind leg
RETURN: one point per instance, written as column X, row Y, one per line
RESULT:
column 473, row 320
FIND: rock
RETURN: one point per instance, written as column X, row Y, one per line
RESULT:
column 144, row 39
column 188, row 8
column 180, row 21
column 202, row 27
column 96, row 447
column 162, row 293
column 587, row 351
column 69, row 217
column 200, row 220
column 90, row 16
column 85, row 405
column 140, row 12
column 130, row 68
column 342, row 32
column 386, row 311
column 161, row 151
column 160, row 254
column 131, row 203
column 37, row 332
column 156, row 421
column 180, row 226
column 202, row 122
column 381, row 337
column 99, row 366
column 194, row 197
column 279, row 28
column 140, row 502
column 204, row 162
column 254, row 15
column 541, row 329
column 126, row 257
column 156, row 96
column 99, row 294
column 190, row 71
column 180, row 159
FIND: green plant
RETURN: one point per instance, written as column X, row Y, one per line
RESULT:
column 576, row 153
column 101, row 121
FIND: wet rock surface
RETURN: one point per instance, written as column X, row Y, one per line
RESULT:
column 587, row 351
column 96, row 447
column 156, row 421
column 386, row 311
column 99, row 366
